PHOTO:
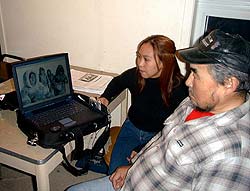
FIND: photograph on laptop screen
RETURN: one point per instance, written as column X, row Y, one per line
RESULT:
column 43, row 80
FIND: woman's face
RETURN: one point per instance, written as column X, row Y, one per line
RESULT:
column 146, row 63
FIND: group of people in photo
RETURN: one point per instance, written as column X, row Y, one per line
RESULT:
column 42, row 84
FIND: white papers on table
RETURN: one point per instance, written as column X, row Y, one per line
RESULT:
column 89, row 82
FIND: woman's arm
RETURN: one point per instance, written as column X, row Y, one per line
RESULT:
column 118, row 84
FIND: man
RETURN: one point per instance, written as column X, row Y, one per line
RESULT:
column 205, row 144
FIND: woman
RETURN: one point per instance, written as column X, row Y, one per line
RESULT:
column 156, row 86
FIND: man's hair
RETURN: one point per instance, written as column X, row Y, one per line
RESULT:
column 221, row 72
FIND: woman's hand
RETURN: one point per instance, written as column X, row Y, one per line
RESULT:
column 118, row 177
column 103, row 100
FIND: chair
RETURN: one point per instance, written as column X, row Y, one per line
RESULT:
column 114, row 131
column 5, row 67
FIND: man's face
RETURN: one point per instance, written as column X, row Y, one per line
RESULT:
column 205, row 93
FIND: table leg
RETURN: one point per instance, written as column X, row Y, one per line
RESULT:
column 42, row 179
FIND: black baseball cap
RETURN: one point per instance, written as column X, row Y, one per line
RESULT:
column 219, row 47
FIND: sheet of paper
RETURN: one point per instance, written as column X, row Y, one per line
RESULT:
column 89, row 82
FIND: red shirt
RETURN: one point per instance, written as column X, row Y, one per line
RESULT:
column 195, row 114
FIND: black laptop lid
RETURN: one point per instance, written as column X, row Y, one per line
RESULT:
column 42, row 81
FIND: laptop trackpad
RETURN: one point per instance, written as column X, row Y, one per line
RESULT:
column 67, row 122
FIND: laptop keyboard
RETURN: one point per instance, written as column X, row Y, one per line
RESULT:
column 61, row 112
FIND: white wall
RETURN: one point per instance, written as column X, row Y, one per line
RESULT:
column 100, row 34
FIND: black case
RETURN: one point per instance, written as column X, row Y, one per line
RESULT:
column 57, row 139
column 52, row 139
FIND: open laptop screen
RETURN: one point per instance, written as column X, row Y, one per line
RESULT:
column 42, row 81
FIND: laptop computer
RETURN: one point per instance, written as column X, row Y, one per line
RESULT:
column 44, row 88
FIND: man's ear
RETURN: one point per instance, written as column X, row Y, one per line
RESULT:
column 231, row 83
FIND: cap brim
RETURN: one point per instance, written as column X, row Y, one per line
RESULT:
column 194, row 55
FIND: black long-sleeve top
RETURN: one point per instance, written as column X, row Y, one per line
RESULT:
column 148, row 110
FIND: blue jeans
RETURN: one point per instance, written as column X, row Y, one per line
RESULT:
column 102, row 184
column 128, row 138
